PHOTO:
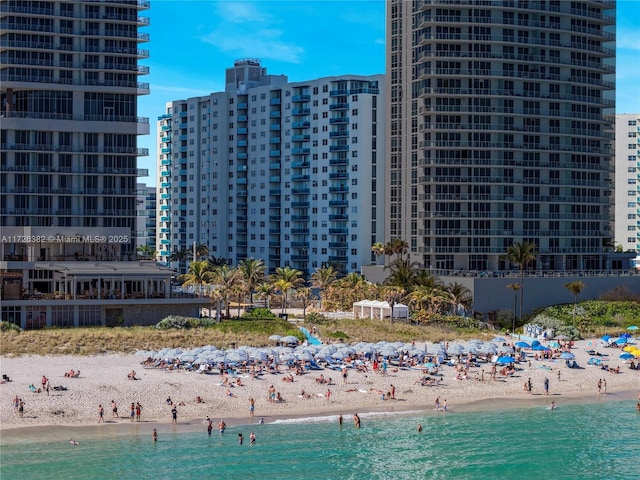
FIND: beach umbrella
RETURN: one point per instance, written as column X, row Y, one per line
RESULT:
column 505, row 360
column 275, row 338
column 340, row 355
column 306, row 356
column 620, row 341
column 489, row 348
column 540, row 348
column 289, row 339
column 506, row 349
column 456, row 349
column 626, row 356
column 522, row 345
column 498, row 339
column 388, row 351
column 286, row 357
column 562, row 337
column 567, row 356
column 633, row 328
column 605, row 338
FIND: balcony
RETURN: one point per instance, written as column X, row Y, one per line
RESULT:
column 339, row 106
column 338, row 120
column 338, row 231
column 275, row 101
column 300, row 258
column 300, row 218
column 275, row 153
column 338, row 258
column 301, row 124
column 300, row 151
column 275, row 179
column 300, row 164
column 338, row 203
column 300, row 111
column 276, row 114
column 275, row 166
column 300, row 231
column 341, row 189
column 301, row 138
column 339, row 161
column 339, row 217
column 275, row 140
column 300, row 178
column 301, row 98
column 339, row 134
column 339, row 148
column 275, row 127
column 339, row 176
column 300, row 191
column 300, row 204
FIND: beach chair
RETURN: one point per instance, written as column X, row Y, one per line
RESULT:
column 595, row 362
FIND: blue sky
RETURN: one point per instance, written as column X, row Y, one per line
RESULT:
column 194, row 41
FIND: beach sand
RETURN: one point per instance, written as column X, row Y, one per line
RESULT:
column 103, row 379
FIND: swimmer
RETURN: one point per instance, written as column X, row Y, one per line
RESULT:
column 154, row 435
column 240, row 438
column 553, row 405
column 419, row 428
column 340, row 420
column 252, row 438
column 222, row 426
column 261, row 422
column 73, row 442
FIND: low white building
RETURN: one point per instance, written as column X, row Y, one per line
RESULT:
column 378, row 309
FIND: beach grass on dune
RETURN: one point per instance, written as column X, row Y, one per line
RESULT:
column 126, row 340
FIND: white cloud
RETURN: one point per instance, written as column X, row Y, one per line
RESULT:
column 246, row 31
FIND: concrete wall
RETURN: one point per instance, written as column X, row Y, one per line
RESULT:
column 491, row 294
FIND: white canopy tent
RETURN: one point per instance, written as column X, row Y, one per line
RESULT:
column 376, row 309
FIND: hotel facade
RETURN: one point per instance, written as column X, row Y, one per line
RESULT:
column 288, row 172
column 501, row 130
column 69, row 84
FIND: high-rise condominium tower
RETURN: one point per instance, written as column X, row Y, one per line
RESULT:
column 69, row 85
column 499, row 131
column 627, row 232
column 288, row 172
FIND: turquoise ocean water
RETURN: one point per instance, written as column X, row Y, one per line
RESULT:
column 580, row 441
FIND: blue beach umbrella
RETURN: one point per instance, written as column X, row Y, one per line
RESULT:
column 606, row 338
column 626, row 356
column 620, row 341
column 505, row 360
column 540, row 348
column 498, row 339
column 633, row 328
column 522, row 345
column 567, row 356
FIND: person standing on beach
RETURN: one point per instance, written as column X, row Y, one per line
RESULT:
column 444, row 405
column 599, row 386
column 16, row 404
column 344, row 374
column 138, row 411
column 114, row 409
column 100, row 414
column 356, row 420
column 393, row 391
column 437, row 404
column 132, row 412
column 529, row 386
column 21, row 409
column 546, row 386
column 328, row 395
column 174, row 414
column 252, row 407
column 209, row 426
column 604, row 386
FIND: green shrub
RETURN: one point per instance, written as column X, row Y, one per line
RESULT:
column 9, row 327
column 176, row 321
column 261, row 313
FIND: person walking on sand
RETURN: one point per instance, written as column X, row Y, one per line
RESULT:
column 604, row 386
column 437, row 404
column 444, row 405
column 328, row 396
column 138, row 411
column 16, row 404
column 100, row 414
column 174, row 415
column 114, row 409
column 21, row 409
column 546, row 386
column 393, row 391
column 599, row 386
column 252, row 407
column 529, row 386
column 132, row 412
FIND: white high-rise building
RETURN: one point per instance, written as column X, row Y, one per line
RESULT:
column 627, row 216
column 291, row 173
column 500, row 130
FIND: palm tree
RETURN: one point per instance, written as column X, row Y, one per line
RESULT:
column 217, row 261
column 461, row 295
column 575, row 288
column 202, row 251
column 305, row 296
column 225, row 278
column 180, row 256
column 146, row 252
column 397, row 247
column 515, row 287
column 253, row 273
column 265, row 291
column 521, row 254
column 285, row 279
column 393, row 295
column 199, row 274
column 402, row 273
column 378, row 249
column 322, row 278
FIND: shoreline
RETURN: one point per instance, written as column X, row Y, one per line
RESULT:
column 104, row 378
column 14, row 434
